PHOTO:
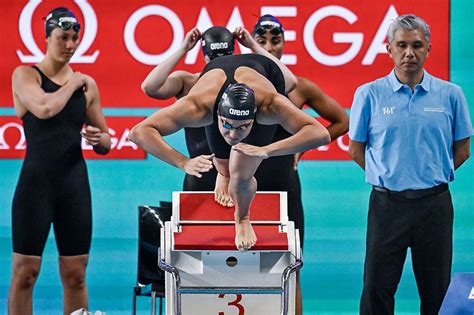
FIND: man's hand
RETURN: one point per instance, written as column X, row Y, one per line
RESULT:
column 250, row 150
column 191, row 38
column 91, row 134
column 198, row 165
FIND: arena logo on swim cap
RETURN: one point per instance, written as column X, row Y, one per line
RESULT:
column 238, row 112
column 67, row 19
column 215, row 46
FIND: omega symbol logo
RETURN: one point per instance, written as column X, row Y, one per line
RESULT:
column 36, row 55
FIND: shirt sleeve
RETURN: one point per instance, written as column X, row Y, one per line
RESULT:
column 360, row 115
column 462, row 122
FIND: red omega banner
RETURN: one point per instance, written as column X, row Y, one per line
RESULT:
column 13, row 144
column 337, row 44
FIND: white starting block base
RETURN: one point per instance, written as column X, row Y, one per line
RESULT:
column 228, row 282
column 231, row 304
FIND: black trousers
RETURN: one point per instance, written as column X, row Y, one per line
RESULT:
column 396, row 222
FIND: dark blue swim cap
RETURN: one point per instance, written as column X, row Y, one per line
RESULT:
column 217, row 41
column 268, row 22
column 62, row 18
column 237, row 102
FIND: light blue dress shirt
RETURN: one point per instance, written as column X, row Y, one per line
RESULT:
column 409, row 135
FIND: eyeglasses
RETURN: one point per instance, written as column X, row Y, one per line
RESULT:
column 67, row 25
column 261, row 30
column 226, row 125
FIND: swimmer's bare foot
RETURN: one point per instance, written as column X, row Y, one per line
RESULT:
column 245, row 236
column 221, row 191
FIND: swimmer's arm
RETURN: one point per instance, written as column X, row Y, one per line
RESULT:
column 159, row 83
column 26, row 87
column 327, row 107
column 149, row 134
column 96, row 131
column 307, row 132
column 246, row 39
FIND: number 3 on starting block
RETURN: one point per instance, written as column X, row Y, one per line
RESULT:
column 235, row 303
column 231, row 304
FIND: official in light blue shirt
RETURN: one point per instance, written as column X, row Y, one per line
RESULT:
column 408, row 131
column 409, row 135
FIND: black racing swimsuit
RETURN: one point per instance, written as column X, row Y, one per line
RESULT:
column 277, row 174
column 196, row 143
column 260, row 135
column 53, row 185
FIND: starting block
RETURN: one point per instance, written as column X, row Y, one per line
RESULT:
column 206, row 274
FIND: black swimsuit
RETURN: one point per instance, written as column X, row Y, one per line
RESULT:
column 53, row 185
column 260, row 135
column 277, row 174
column 196, row 143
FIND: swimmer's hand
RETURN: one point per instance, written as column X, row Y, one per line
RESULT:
column 297, row 159
column 79, row 80
column 250, row 150
column 91, row 134
column 191, row 39
column 244, row 37
column 198, row 165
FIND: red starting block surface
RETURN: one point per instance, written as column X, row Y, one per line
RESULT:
column 202, row 207
column 198, row 247
column 222, row 237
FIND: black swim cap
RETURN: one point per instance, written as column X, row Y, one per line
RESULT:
column 237, row 102
column 62, row 18
column 217, row 41
column 268, row 22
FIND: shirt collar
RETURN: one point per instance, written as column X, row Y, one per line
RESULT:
column 397, row 85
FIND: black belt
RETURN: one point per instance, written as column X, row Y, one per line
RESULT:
column 414, row 194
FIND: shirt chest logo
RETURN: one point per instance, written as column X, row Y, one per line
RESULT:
column 433, row 109
column 388, row 110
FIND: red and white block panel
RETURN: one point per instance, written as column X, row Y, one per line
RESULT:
column 199, row 243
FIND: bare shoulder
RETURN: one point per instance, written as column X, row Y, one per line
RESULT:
column 306, row 91
column 207, row 87
column 90, row 80
column 92, row 93
column 25, row 72
column 25, row 80
column 210, row 82
column 92, row 89
column 262, row 87
column 304, row 85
